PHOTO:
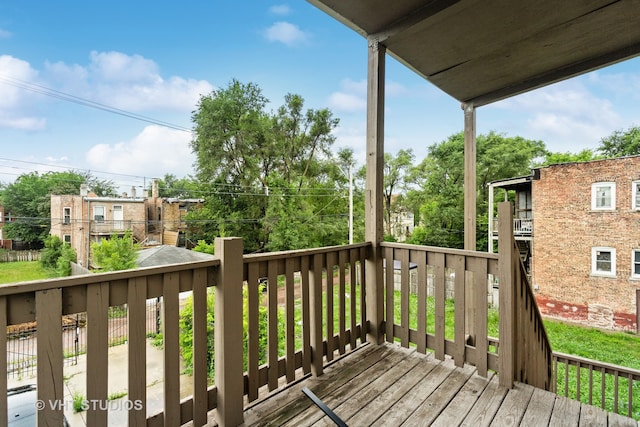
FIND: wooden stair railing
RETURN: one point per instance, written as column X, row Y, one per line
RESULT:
column 525, row 352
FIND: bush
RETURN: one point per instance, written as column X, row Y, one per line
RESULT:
column 57, row 256
column 186, row 331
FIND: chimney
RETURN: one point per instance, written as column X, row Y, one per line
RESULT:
column 154, row 189
column 84, row 190
column 133, row 192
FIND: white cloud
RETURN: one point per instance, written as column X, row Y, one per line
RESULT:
column 287, row 33
column 128, row 82
column 352, row 96
column 567, row 116
column 4, row 34
column 155, row 152
column 280, row 9
column 18, row 105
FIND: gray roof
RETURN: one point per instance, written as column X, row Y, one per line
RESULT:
column 164, row 254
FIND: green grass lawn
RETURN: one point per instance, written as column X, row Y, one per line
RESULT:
column 12, row 272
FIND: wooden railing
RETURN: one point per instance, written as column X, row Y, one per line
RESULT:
column 612, row 387
column 407, row 321
column 110, row 226
column 323, row 288
column 524, row 350
column 45, row 302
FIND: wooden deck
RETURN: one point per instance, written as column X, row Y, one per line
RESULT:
column 389, row 385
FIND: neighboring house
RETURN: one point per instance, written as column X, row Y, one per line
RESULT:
column 5, row 217
column 80, row 220
column 581, row 225
column 402, row 221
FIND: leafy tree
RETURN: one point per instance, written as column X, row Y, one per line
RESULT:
column 620, row 143
column 440, row 180
column 396, row 171
column 172, row 186
column 28, row 199
column 204, row 247
column 266, row 174
column 582, row 156
column 57, row 256
column 116, row 253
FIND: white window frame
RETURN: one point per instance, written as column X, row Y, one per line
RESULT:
column 95, row 214
column 634, row 275
column 66, row 221
column 594, row 261
column 594, row 196
column 635, row 204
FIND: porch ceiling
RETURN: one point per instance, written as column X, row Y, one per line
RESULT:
column 481, row 51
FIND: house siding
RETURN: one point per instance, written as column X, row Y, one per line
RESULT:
column 567, row 228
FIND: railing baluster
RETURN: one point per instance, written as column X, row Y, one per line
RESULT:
column 577, row 380
column 49, row 353
column 342, row 261
column 630, row 394
column 363, row 295
column 420, row 258
column 457, row 263
column 272, row 335
column 200, row 347
column 253, row 300
column 137, row 340
column 615, row 391
column 590, row 384
column 3, row 361
column 437, row 260
column 389, row 284
column 353, row 298
column 290, row 320
column 480, row 286
column 306, row 314
column 566, row 378
column 331, row 261
column 97, row 350
column 315, row 283
column 602, row 387
column 403, row 256
column 171, row 348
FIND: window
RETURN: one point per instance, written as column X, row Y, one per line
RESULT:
column 635, row 195
column 1, row 216
column 603, row 196
column 67, row 239
column 98, row 213
column 603, row 261
column 66, row 216
column 635, row 264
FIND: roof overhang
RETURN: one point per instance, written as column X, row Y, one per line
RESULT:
column 481, row 51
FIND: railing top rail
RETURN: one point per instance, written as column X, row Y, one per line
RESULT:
column 596, row 363
column 85, row 279
column 300, row 252
column 437, row 249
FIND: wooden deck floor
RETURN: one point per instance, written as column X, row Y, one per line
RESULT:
column 391, row 386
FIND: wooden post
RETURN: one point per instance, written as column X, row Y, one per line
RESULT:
column 374, row 191
column 228, row 332
column 470, row 194
column 49, row 356
column 507, row 291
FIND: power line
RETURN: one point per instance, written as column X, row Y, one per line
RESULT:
column 36, row 88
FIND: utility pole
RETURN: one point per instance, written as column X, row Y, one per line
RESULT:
column 350, row 204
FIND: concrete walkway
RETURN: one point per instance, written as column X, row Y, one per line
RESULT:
column 75, row 382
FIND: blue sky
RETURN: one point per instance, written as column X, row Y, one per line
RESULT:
column 156, row 59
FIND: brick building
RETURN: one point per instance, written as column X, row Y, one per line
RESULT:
column 82, row 219
column 584, row 239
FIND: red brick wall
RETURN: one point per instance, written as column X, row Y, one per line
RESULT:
column 566, row 229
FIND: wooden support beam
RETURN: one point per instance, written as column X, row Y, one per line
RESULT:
column 507, row 323
column 470, row 194
column 374, row 190
column 228, row 332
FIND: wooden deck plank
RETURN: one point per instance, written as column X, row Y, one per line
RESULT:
column 566, row 412
column 403, row 409
column 592, row 416
column 539, row 410
column 513, row 406
column 295, row 402
column 393, row 393
column 441, row 397
column 462, row 403
column 616, row 420
column 487, row 405
column 351, row 397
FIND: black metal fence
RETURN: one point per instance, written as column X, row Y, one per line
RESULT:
column 21, row 339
